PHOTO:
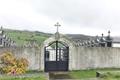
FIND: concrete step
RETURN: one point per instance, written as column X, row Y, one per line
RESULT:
column 59, row 75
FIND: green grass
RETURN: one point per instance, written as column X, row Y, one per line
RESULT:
column 92, row 74
column 30, row 78
column 83, row 74
column 29, row 75
column 6, row 77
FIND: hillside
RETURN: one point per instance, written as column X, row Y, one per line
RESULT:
column 24, row 37
column 79, row 36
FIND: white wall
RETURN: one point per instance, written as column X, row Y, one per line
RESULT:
column 116, row 44
column 79, row 58
column 90, row 58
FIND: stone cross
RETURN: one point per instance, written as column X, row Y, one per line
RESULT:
column 102, row 34
column 57, row 25
column 109, row 33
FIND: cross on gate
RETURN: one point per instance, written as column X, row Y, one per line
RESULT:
column 57, row 25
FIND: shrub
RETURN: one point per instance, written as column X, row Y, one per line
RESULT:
column 12, row 65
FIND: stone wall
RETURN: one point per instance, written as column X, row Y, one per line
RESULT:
column 96, row 57
column 80, row 58
column 31, row 54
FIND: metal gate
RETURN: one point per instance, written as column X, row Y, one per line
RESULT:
column 56, row 57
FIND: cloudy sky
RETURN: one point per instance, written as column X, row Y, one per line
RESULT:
column 91, row 17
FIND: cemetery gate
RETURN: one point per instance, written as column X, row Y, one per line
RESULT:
column 56, row 56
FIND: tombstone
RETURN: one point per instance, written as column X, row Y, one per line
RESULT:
column 102, row 41
column 97, row 41
column 1, row 31
column 92, row 43
column 109, row 40
column 4, row 40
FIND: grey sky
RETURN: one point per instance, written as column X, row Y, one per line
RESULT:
column 91, row 17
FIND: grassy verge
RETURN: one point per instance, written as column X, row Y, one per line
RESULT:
column 112, row 74
column 29, row 76
column 25, row 78
column 83, row 74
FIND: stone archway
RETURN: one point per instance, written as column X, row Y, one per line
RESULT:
column 63, row 39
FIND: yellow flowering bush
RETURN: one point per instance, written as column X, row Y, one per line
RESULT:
column 12, row 65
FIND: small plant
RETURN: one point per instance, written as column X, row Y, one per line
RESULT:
column 12, row 65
